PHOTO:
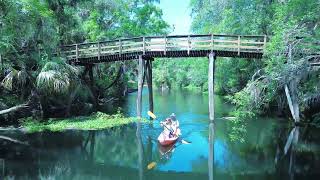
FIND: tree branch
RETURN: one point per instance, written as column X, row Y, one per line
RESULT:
column 13, row 109
column 13, row 140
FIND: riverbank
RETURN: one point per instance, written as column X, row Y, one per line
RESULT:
column 96, row 121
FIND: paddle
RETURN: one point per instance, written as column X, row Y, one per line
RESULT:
column 152, row 115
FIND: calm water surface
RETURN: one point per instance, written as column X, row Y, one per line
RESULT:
column 272, row 149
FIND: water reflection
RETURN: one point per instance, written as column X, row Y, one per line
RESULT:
column 166, row 152
column 291, row 146
column 124, row 153
column 2, row 166
column 211, row 150
column 92, row 144
column 140, row 150
column 270, row 150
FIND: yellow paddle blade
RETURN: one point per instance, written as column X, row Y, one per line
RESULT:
column 152, row 115
column 151, row 165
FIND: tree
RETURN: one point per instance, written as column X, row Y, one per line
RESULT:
column 32, row 30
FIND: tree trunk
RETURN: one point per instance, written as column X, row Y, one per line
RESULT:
column 31, row 108
column 291, row 92
column 14, row 109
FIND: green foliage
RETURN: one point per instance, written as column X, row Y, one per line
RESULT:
column 192, row 72
column 40, row 27
column 35, row 24
column 113, row 19
column 96, row 121
column 255, row 86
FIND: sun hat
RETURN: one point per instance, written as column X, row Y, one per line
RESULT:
column 173, row 117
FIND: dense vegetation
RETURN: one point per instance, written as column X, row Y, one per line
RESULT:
column 292, row 28
column 255, row 86
column 43, row 85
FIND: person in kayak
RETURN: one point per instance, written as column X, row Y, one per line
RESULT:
column 171, row 126
column 167, row 127
column 175, row 125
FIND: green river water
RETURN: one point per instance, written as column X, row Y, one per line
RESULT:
column 272, row 149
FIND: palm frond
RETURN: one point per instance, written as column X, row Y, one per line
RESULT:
column 58, row 77
column 61, row 85
column 52, row 81
column 22, row 77
column 44, row 79
column 7, row 82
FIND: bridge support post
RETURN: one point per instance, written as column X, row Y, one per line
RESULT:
column 91, row 75
column 149, row 82
column 141, row 64
column 89, row 69
column 212, row 58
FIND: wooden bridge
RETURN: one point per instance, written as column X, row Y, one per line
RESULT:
column 145, row 49
column 165, row 46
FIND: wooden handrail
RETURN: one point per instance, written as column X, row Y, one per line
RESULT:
column 120, row 47
column 99, row 51
column 77, row 52
column 188, row 43
column 239, row 43
column 165, row 45
column 169, row 37
column 144, row 46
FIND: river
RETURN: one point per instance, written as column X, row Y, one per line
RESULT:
column 272, row 149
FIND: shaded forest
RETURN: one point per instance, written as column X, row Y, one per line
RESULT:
column 35, row 82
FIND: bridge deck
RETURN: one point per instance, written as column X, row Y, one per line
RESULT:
column 166, row 46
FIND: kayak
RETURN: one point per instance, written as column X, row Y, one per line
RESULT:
column 164, row 139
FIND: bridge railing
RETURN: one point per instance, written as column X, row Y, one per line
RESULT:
column 188, row 43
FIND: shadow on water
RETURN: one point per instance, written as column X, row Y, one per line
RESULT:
column 271, row 150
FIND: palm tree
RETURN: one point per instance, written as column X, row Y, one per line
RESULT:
column 59, row 78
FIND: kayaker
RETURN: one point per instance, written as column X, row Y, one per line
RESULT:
column 175, row 124
column 167, row 127
column 171, row 131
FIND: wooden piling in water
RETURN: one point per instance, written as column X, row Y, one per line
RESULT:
column 141, row 64
column 212, row 58
column 149, row 82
